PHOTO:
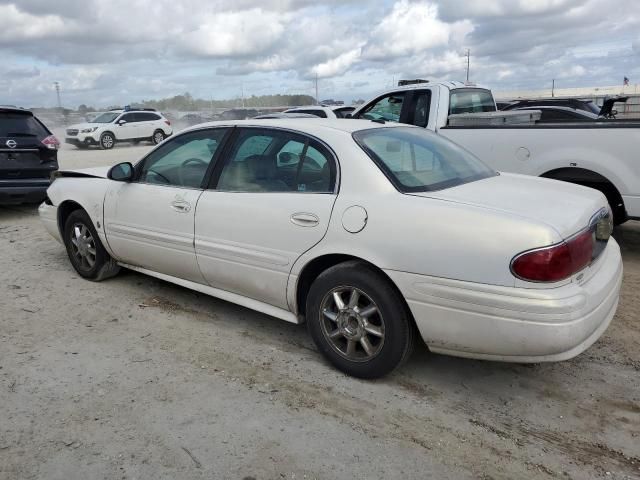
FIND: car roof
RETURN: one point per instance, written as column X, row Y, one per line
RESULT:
column 14, row 109
column 305, row 126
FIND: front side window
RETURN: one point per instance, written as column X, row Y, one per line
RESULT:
column 264, row 160
column 128, row 117
column 183, row 161
column 416, row 160
column 387, row 108
column 471, row 100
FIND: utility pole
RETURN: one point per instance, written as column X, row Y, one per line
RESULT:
column 468, row 62
column 57, row 86
column 317, row 98
column 553, row 87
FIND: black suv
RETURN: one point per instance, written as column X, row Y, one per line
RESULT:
column 28, row 156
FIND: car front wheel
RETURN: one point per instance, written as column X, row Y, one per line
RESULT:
column 359, row 321
column 86, row 252
column 107, row 141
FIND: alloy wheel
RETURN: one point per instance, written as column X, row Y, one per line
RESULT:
column 352, row 323
column 83, row 246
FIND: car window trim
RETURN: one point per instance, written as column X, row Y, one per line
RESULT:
column 334, row 165
column 214, row 159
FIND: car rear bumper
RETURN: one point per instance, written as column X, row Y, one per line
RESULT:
column 514, row 324
column 23, row 191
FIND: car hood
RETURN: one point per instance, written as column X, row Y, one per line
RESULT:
column 94, row 172
column 566, row 207
column 80, row 126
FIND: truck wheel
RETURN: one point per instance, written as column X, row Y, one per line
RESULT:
column 107, row 141
column 86, row 252
column 158, row 137
column 358, row 321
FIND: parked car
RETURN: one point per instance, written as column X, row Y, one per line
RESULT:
column 285, row 115
column 560, row 114
column 588, row 107
column 130, row 125
column 28, row 156
column 365, row 230
column 333, row 111
column 574, row 103
column 599, row 155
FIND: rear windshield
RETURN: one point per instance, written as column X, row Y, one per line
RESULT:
column 416, row 160
column 21, row 125
column 471, row 100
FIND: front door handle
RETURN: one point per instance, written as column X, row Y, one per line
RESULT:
column 303, row 219
column 181, row 206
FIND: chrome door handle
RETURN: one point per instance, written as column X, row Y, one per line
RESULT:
column 303, row 219
column 181, row 206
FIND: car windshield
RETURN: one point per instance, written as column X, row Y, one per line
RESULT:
column 471, row 100
column 107, row 117
column 416, row 160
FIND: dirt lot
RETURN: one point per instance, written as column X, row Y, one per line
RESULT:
column 137, row 378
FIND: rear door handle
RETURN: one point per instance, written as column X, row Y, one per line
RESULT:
column 181, row 206
column 303, row 219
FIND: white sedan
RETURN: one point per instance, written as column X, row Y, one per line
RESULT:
column 370, row 232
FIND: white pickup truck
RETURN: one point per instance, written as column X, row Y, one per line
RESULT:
column 604, row 155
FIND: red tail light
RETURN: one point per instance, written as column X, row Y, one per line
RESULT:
column 557, row 262
column 51, row 142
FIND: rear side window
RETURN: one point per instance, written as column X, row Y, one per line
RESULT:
column 265, row 160
column 416, row 160
column 147, row 117
column 471, row 100
column 21, row 124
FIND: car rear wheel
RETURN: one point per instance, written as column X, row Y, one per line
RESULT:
column 359, row 321
column 107, row 141
column 86, row 252
column 158, row 137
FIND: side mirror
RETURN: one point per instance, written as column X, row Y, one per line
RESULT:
column 122, row 172
column 121, row 122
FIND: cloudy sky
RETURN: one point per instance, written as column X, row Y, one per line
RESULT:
column 122, row 51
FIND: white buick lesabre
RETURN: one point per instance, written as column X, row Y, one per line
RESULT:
column 371, row 232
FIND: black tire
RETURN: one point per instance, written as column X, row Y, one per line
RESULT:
column 392, row 319
column 107, row 141
column 157, row 137
column 102, row 266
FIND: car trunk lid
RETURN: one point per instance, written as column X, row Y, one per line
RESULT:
column 565, row 207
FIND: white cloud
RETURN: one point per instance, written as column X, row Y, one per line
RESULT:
column 411, row 28
column 234, row 33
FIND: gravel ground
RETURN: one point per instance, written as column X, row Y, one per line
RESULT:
column 138, row 378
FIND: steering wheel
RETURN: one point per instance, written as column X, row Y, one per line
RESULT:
column 193, row 162
column 166, row 180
